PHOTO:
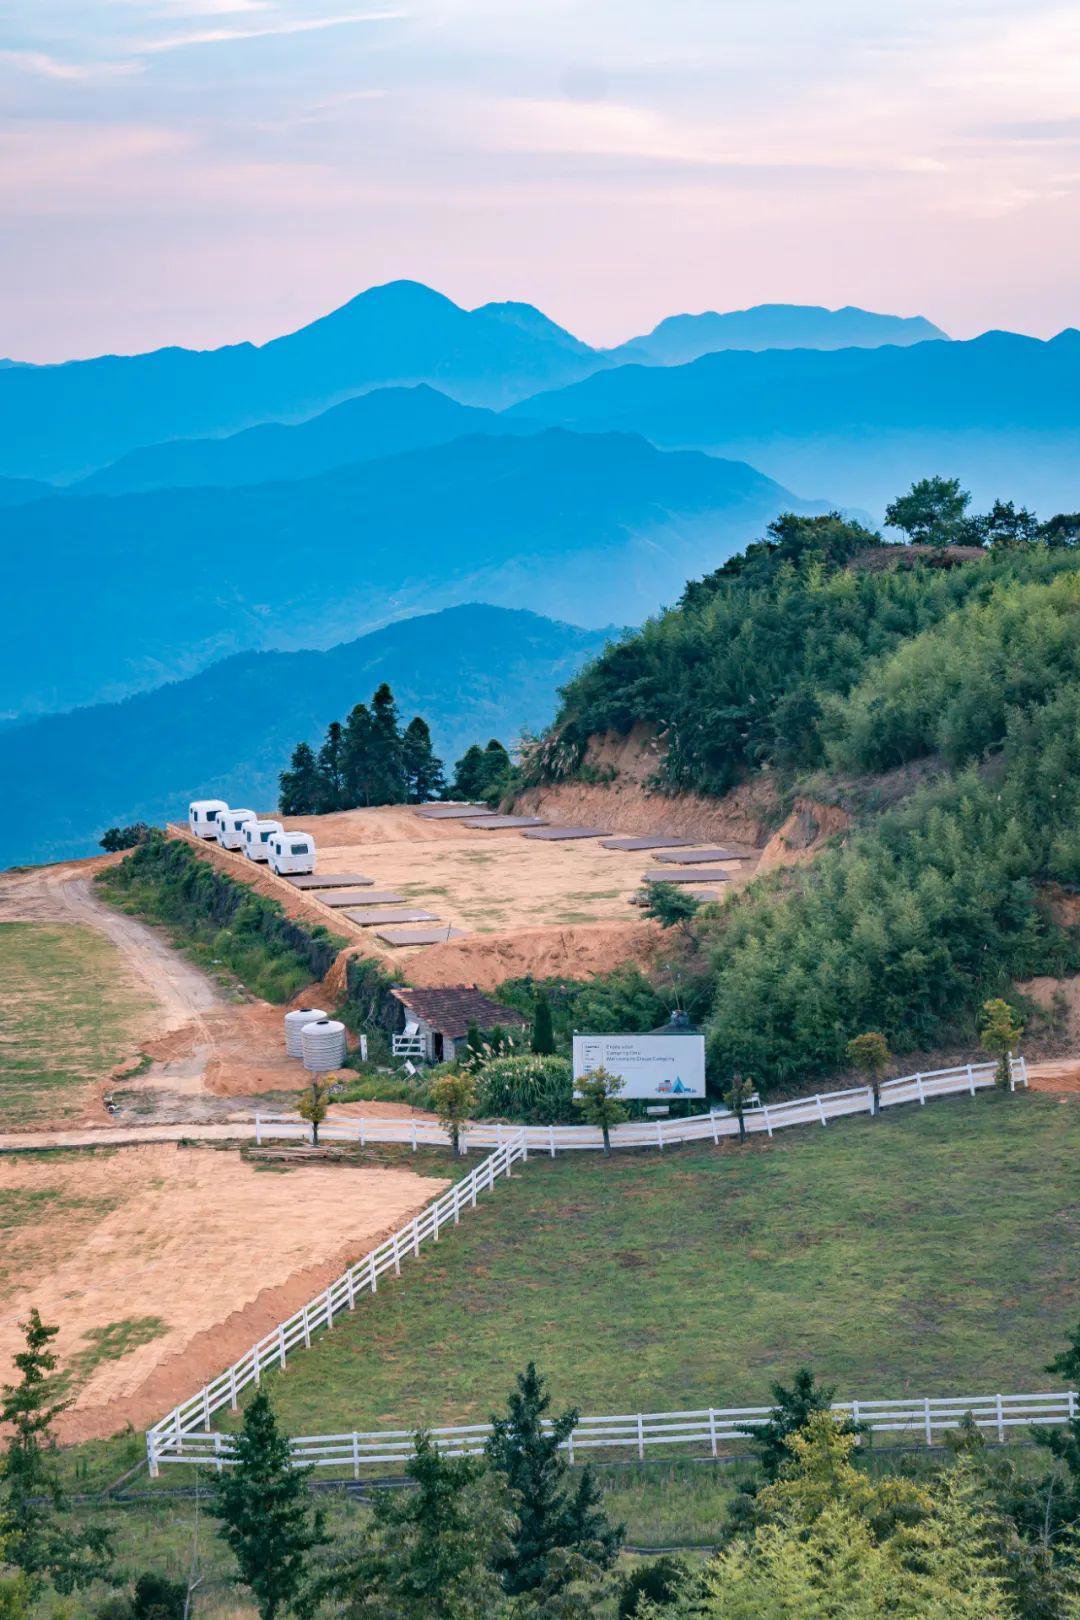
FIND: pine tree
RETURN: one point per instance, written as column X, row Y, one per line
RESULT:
column 423, row 769
column 299, row 786
column 558, row 1536
column 543, row 1033
column 34, row 1537
column 267, row 1519
column 357, row 758
column 469, row 773
column 429, row 1552
column 387, row 758
column 329, row 764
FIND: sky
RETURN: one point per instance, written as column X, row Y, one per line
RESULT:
column 209, row 171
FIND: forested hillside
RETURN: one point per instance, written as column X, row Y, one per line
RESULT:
column 825, row 660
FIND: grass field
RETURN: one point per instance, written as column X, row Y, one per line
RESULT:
column 69, row 1013
column 926, row 1252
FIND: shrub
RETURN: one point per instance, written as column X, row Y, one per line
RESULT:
column 538, row 1090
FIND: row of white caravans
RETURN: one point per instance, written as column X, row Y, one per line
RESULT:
column 261, row 840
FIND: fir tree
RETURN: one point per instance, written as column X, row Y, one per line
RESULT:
column 299, row 788
column 558, row 1535
column 387, row 757
column 429, row 1552
column 423, row 769
column 543, row 1033
column 33, row 1534
column 357, row 758
column 267, row 1518
column 329, row 763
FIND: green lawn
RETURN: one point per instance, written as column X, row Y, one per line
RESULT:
column 68, row 1015
column 930, row 1252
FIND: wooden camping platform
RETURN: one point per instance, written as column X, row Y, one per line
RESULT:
column 362, row 897
column 642, row 896
column 687, row 857
column 687, row 874
column 450, row 812
column 495, row 823
column 556, row 835
column 371, row 917
column 658, row 841
column 328, row 880
column 418, row 936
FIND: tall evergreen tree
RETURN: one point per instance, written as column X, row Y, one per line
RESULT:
column 481, row 771
column 357, row 748
column 558, row 1535
column 429, row 1552
column 330, row 778
column 299, row 786
column 543, row 1033
column 266, row 1514
column 423, row 769
column 387, row 756
column 35, row 1535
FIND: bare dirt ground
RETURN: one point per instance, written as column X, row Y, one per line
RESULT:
column 204, row 1045
column 163, row 1264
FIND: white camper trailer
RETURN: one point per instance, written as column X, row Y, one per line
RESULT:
column 257, row 836
column 230, row 828
column 203, row 816
column 292, row 852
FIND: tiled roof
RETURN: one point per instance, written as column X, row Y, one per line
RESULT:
column 452, row 1009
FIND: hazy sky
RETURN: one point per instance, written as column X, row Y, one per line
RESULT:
column 202, row 171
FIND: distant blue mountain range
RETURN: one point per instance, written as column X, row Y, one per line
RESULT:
column 473, row 672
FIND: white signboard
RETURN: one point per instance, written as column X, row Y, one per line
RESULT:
column 656, row 1067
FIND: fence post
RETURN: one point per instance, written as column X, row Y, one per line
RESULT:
column 971, row 1079
column 870, row 1101
column 551, row 1140
column 640, row 1438
column 305, row 1323
column 232, row 1388
column 416, row 1236
column 660, row 1135
column 820, row 1108
column 218, row 1464
column 281, row 1345
column 151, row 1455
column 206, row 1405
column 715, row 1131
column 570, row 1447
column 397, row 1256
column 371, row 1269
column 919, row 1089
column 256, row 1368
column 258, row 1130
column 1023, row 1071
column 928, row 1424
column 457, row 1207
column 435, row 1222
column 765, row 1117
column 355, row 1455
column 414, row 1133
column 712, row 1431
column 351, row 1285
column 1000, row 1422
column 329, row 1309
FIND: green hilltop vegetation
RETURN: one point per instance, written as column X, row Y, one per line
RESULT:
column 942, row 682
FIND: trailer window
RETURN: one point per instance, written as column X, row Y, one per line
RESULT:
column 299, row 849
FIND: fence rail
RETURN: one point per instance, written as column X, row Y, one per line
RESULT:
column 920, row 1419
column 271, row 1351
column 711, row 1127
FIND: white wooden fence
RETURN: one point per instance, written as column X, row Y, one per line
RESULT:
column 167, row 1438
column 510, row 1144
column 710, row 1127
column 913, row 1418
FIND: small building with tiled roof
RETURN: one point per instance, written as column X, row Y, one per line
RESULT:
column 434, row 1022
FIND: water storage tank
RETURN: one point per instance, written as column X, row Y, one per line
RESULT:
column 322, row 1045
column 294, row 1023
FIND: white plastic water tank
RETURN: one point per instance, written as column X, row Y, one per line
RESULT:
column 294, row 1023
column 322, row 1045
